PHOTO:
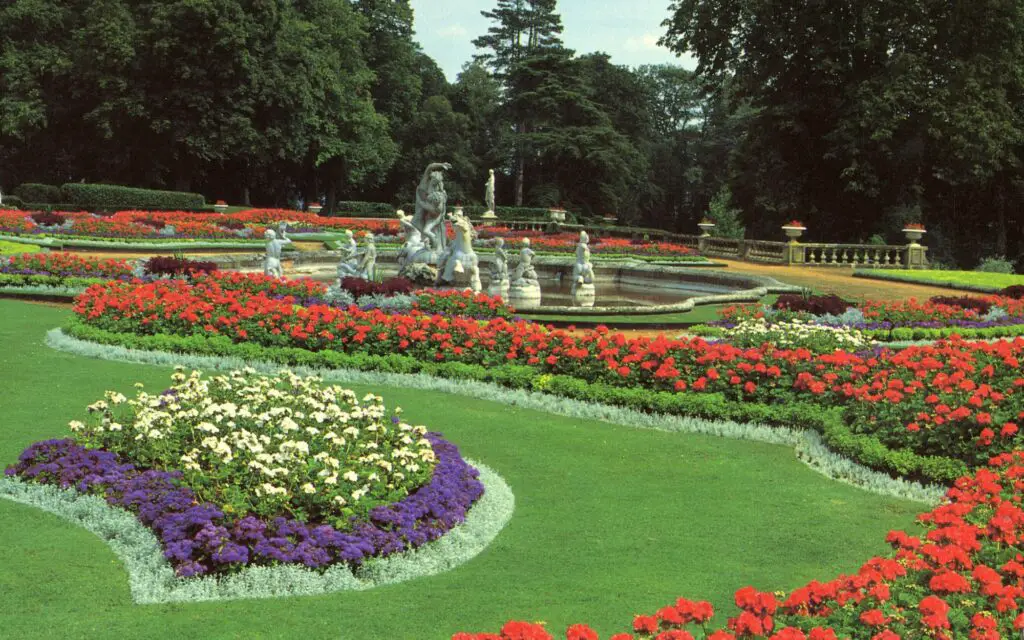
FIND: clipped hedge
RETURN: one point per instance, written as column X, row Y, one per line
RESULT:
column 12, row 202
column 38, row 193
column 829, row 422
column 539, row 214
column 358, row 209
column 108, row 195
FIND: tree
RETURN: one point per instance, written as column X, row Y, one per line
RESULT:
column 522, row 29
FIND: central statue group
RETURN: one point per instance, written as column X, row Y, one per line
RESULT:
column 427, row 245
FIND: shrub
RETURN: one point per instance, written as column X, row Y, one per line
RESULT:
column 357, row 209
column 1015, row 291
column 107, row 195
column 12, row 202
column 169, row 266
column 41, row 193
column 995, row 264
column 48, row 218
column 966, row 302
column 817, row 305
column 360, row 287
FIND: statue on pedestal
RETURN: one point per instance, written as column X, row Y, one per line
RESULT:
column 489, row 192
column 499, row 284
column 524, row 290
column 272, row 261
column 582, row 289
column 347, row 246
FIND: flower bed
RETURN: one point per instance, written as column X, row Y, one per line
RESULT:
column 244, row 470
column 971, row 317
column 65, row 265
column 955, row 403
column 963, row 578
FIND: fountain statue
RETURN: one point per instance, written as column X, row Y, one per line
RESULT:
column 499, row 284
column 524, row 290
column 347, row 246
column 415, row 249
column 459, row 264
column 582, row 289
column 272, row 261
column 431, row 207
column 361, row 264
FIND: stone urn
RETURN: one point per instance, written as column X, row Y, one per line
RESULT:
column 584, row 295
column 706, row 228
column 556, row 215
column 793, row 232
column 220, row 207
column 524, row 295
column 913, row 235
column 315, row 209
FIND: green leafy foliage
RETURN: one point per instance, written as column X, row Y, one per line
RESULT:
column 112, row 196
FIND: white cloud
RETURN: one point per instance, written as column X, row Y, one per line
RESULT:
column 646, row 42
column 453, row 31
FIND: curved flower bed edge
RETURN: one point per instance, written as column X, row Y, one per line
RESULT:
column 152, row 579
column 820, row 439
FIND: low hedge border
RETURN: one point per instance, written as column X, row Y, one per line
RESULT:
column 130, row 244
column 151, row 578
column 109, row 195
column 521, row 385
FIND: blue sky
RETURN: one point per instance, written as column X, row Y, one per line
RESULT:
column 627, row 31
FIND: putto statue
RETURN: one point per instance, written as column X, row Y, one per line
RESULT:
column 347, row 246
column 415, row 248
column 524, row 290
column 431, row 206
column 582, row 290
column 272, row 261
column 499, row 284
column 489, row 192
column 459, row 263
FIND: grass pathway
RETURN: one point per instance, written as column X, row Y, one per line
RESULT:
column 609, row 522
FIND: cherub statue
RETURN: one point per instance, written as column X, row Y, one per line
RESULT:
column 414, row 241
column 272, row 262
column 525, row 274
column 347, row 246
column 499, row 268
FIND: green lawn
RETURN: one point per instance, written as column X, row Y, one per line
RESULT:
column 609, row 522
column 970, row 280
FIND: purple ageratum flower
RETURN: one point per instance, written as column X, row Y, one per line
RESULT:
column 200, row 539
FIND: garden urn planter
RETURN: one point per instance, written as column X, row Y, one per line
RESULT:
column 706, row 228
column 315, row 208
column 220, row 208
column 793, row 233
column 913, row 235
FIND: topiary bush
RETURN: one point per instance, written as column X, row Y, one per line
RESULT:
column 995, row 264
column 48, row 218
column 108, row 195
column 817, row 305
column 1015, row 291
column 41, row 193
column 360, row 287
column 12, row 202
column 966, row 302
column 170, row 266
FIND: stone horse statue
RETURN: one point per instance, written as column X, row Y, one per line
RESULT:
column 459, row 261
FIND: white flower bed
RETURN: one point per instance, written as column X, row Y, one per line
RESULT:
column 270, row 446
column 793, row 334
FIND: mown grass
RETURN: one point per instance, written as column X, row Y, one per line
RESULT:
column 967, row 280
column 609, row 522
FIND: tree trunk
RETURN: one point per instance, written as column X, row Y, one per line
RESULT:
column 520, row 167
column 245, row 196
column 1001, row 235
column 332, row 198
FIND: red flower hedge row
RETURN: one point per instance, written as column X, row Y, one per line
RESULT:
column 962, row 579
column 65, row 264
column 957, row 399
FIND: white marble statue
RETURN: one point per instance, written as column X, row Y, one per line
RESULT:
column 582, row 287
column 360, row 264
column 489, row 191
column 272, row 262
column 525, row 273
column 499, row 269
column 347, row 246
column 416, row 248
column 459, row 263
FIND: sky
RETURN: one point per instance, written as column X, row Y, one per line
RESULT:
column 627, row 31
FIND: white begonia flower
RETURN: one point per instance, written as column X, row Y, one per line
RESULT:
column 76, row 426
column 308, row 488
column 114, row 426
column 351, row 476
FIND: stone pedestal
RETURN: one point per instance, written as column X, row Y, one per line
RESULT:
column 583, row 295
column 524, row 296
column 499, row 289
column 488, row 219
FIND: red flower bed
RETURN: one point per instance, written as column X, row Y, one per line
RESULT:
column 962, row 579
column 65, row 264
column 954, row 398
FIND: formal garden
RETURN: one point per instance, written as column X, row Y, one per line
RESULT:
column 321, row 321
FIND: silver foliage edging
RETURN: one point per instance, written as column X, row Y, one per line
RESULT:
column 151, row 578
column 809, row 446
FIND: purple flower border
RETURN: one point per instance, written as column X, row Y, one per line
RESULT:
column 199, row 539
